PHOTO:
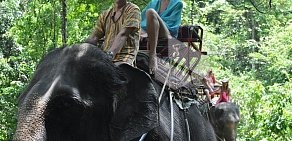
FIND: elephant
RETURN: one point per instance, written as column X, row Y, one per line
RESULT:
column 78, row 93
column 224, row 118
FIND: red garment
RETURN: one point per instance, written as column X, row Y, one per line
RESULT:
column 224, row 97
column 213, row 79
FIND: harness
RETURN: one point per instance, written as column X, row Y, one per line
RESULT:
column 175, row 81
column 182, row 100
column 177, row 69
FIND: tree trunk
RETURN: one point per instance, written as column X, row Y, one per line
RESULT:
column 64, row 23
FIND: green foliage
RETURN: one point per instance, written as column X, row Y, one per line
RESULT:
column 274, row 56
column 7, row 47
column 251, row 48
column 14, row 75
column 264, row 113
column 16, row 67
column 259, row 68
column 265, row 110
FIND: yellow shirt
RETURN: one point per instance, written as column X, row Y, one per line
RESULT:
column 108, row 28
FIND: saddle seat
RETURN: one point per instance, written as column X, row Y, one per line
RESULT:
column 180, row 54
column 190, row 34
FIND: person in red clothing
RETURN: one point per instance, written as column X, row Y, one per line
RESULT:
column 209, row 82
column 224, row 93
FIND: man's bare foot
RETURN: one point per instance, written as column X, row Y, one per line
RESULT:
column 152, row 64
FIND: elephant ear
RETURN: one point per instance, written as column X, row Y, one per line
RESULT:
column 137, row 113
column 236, row 107
column 219, row 112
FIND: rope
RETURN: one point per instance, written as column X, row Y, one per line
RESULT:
column 220, row 139
column 171, row 105
column 162, row 90
column 143, row 137
column 171, row 115
column 187, row 126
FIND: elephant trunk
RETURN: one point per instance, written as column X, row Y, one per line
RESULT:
column 230, row 132
column 230, row 138
column 31, row 122
column 31, row 125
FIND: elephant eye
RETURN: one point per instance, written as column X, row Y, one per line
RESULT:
column 236, row 122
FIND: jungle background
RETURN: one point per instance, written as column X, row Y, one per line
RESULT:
column 248, row 41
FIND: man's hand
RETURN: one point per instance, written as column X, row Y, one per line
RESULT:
column 120, row 40
column 91, row 40
column 143, row 34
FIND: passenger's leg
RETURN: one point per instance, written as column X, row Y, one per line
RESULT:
column 207, row 93
column 155, row 29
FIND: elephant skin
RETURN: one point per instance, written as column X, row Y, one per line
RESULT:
column 200, row 128
column 225, row 117
column 77, row 93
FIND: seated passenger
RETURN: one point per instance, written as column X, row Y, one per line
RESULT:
column 209, row 82
column 119, row 26
column 224, row 93
column 160, row 18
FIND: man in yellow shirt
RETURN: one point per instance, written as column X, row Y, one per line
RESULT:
column 119, row 26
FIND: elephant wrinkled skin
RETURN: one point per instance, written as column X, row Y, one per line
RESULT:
column 77, row 93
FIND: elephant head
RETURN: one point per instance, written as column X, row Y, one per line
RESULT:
column 224, row 118
column 77, row 93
